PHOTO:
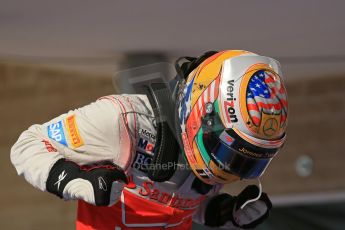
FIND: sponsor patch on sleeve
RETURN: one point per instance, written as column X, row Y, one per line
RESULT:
column 73, row 132
column 56, row 133
column 50, row 148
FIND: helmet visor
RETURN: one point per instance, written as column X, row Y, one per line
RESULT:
column 236, row 156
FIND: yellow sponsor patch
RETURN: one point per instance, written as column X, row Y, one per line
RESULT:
column 73, row 132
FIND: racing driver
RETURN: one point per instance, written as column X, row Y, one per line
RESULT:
column 230, row 121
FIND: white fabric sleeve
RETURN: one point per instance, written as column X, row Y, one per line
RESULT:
column 90, row 134
column 32, row 159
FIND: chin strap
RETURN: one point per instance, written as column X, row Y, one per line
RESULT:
column 246, row 210
column 255, row 199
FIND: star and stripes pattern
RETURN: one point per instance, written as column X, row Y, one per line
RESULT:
column 185, row 105
column 190, row 121
column 209, row 95
column 266, row 94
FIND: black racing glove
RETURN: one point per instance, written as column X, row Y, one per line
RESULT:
column 98, row 184
column 224, row 208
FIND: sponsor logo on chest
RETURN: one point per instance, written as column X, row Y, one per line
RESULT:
column 145, row 145
column 144, row 133
column 148, row 191
column 146, row 141
column 142, row 161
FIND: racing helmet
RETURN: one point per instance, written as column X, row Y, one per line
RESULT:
column 232, row 112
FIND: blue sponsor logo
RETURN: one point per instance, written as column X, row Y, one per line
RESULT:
column 142, row 161
column 145, row 145
column 56, row 133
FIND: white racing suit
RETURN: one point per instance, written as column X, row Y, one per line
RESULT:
column 119, row 128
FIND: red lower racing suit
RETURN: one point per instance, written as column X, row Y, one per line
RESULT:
column 119, row 128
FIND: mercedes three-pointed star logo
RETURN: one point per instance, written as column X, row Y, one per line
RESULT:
column 270, row 127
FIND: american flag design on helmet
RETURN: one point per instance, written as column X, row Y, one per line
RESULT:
column 184, row 107
column 208, row 96
column 266, row 95
column 248, row 99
